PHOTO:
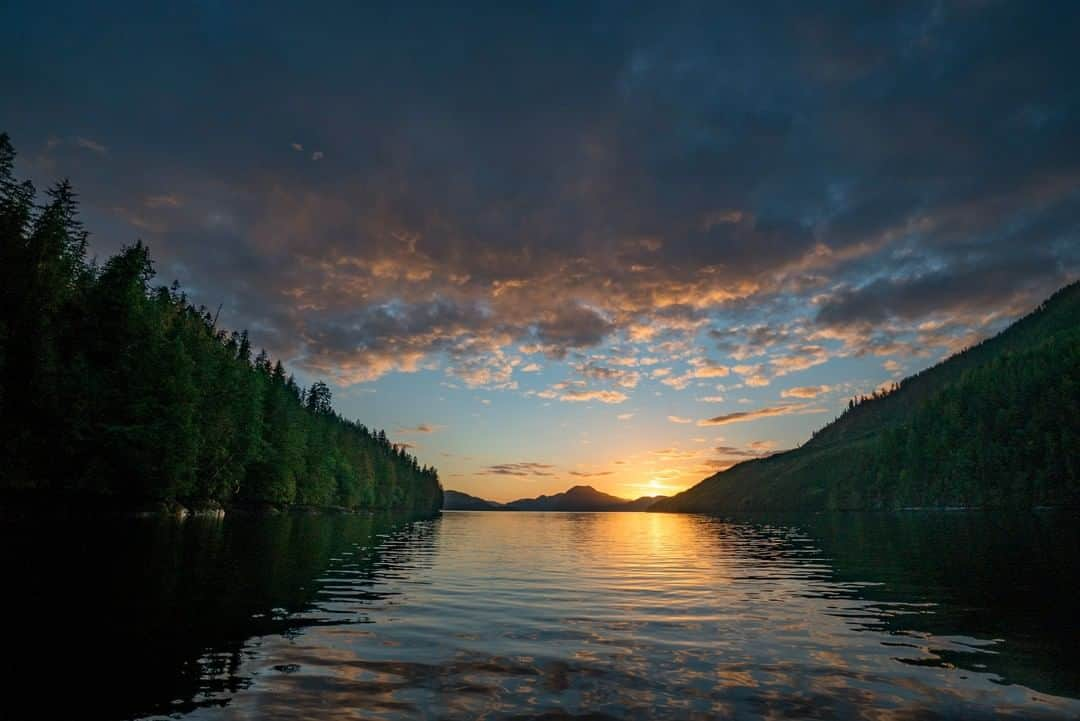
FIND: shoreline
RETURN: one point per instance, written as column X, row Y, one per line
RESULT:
column 59, row 506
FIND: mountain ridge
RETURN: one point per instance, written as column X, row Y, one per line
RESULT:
column 460, row 501
column 994, row 425
column 576, row 498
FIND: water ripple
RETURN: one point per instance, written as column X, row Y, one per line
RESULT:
column 613, row 616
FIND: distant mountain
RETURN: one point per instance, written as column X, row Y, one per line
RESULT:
column 641, row 504
column 579, row 498
column 458, row 501
column 996, row 425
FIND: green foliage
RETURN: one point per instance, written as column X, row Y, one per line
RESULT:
column 1005, row 433
column 995, row 426
column 109, row 386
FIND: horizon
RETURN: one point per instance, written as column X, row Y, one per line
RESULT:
column 603, row 249
column 565, row 490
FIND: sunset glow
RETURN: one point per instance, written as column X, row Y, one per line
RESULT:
column 629, row 263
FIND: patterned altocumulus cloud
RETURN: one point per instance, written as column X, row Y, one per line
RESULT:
column 636, row 196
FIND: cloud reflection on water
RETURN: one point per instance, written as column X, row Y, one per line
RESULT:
column 528, row 616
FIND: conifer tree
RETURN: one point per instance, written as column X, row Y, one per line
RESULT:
column 111, row 387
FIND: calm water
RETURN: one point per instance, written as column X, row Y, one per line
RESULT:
column 533, row 615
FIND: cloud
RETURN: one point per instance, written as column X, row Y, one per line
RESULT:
column 570, row 326
column 480, row 363
column 782, row 215
column 531, row 368
column 752, row 375
column 612, row 397
column 317, row 155
column 789, row 360
column 767, row 412
column 749, row 341
column 963, row 289
column 799, row 358
column 680, row 419
column 420, row 428
column 590, row 474
column 167, row 200
column 91, row 145
column 735, row 452
column 619, row 376
column 521, row 469
column 699, row 368
column 675, row 454
column 624, row 416
column 728, row 456
column 804, row 391
column 705, row 368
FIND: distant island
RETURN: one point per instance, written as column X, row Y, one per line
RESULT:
column 997, row 425
column 578, row 498
column 117, row 393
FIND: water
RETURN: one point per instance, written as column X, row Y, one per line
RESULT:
column 548, row 616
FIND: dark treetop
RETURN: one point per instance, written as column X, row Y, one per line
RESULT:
column 996, row 425
column 113, row 389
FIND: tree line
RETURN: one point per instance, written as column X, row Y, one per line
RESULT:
column 995, row 426
column 1004, row 434
column 111, row 386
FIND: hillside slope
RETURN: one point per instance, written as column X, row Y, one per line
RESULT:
column 995, row 425
column 643, row 503
column 117, row 392
column 459, row 501
column 578, row 498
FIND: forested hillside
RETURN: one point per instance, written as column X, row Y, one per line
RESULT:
column 997, row 425
column 112, row 387
column 458, row 501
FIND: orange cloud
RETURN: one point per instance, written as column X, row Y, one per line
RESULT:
column 767, row 412
column 805, row 391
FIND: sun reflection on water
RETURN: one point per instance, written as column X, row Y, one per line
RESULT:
column 621, row 615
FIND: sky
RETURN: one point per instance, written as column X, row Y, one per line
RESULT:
column 549, row 244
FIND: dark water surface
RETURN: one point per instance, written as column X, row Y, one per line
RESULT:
column 546, row 615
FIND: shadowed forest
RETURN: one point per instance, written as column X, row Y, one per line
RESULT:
column 114, row 388
column 996, row 426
